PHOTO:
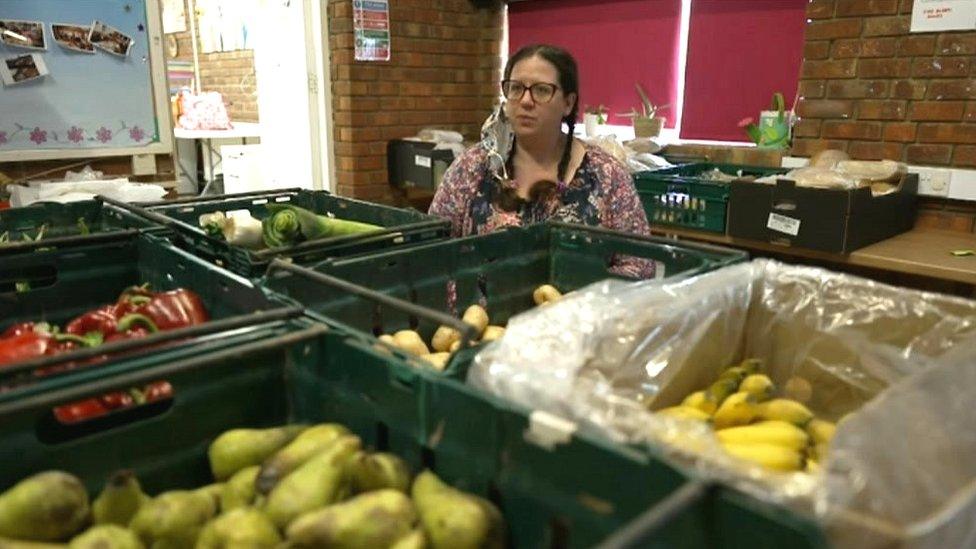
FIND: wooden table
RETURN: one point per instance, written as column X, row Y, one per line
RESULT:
column 919, row 252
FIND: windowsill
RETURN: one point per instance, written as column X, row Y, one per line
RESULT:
column 669, row 136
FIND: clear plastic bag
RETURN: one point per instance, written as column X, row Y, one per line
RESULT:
column 606, row 354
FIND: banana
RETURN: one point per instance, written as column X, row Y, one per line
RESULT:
column 770, row 456
column 779, row 433
column 786, row 410
column 735, row 373
column 813, row 467
column 821, row 431
column 752, row 365
column 819, row 451
column 759, row 386
column 737, row 409
column 684, row 412
column 699, row 400
column 720, row 390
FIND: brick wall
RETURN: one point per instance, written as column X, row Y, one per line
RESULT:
column 443, row 72
column 229, row 72
column 877, row 91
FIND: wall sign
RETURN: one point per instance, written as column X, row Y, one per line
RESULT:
column 371, row 27
column 943, row 15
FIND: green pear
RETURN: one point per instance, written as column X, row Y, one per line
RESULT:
column 240, row 448
column 213, row 491
column 320, row 481
column 18, row 544
column 454, row 519
column 414, row 540
column 376, row 471
column 239, row 490
column 119, row 500
column 48, row 506
column 244, row 528
column 173, row 519
column 106, row 536
column 376, row 519
column 310, row 442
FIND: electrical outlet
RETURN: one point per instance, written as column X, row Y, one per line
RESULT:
column 933, row 181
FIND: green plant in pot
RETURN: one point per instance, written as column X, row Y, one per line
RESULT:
column 646, row 121
column 774, row 128
column 593, row 117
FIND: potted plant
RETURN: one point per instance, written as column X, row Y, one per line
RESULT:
column 646, row 121
column 593, row 117
column 775, row 126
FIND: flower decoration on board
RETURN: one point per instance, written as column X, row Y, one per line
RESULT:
column 76, row 134
column 37, row 135
column 136, row 133
column 3, row 137
column 103, row 134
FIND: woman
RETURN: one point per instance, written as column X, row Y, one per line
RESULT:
column 526, row 170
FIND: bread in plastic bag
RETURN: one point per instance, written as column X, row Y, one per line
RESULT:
column 604, row 355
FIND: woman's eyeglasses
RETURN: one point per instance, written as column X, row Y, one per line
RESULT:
column 541, row 92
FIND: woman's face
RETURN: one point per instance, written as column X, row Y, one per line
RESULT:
column 532, row 117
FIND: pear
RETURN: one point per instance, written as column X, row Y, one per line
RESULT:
column 310, row 442
column 454, row 519
column 376, row 471
column 376, row 519
column 414, row 540
column 173, row 519
column 18, row 544
column 119, row 500
column 106, row 536
column 239, row 490
column 320, row 481
column 48, row 506
column 248, row 528
column 240, row 448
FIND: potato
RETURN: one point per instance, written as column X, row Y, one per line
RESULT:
column 455, row 346
column 476, row 316
column 410, row 341
column 492, row 333
column 444, row 338
column 545, row 294
column 438, row 360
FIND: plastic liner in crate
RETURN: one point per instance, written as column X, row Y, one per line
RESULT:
column 893, row 368
column 53, row 284
column 431, row 284
column 57, row 223
column 572, row 493
column 400, row 227
column 686, row 196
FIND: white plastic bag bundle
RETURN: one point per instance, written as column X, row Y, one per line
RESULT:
column 890, row 357
column 73, row 191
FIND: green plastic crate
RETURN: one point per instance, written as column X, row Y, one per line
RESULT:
column 572, row 494
column 55, row 283
column 400, row 227
column 678, row 196
column 57, row 221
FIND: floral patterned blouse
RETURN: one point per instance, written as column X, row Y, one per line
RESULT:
column 601, row 193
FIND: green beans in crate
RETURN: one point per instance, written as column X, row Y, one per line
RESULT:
column 396, row 227
column 574, row 493
column 684, row 196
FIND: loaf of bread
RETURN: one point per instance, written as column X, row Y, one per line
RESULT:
column 882, row 170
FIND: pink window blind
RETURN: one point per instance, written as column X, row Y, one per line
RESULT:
column 616, row 43
column 739, row 54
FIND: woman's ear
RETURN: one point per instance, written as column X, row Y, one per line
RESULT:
column 570, row 101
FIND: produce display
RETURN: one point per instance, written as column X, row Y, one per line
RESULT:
column 136, row 313
column 285, row 226
column 42, row 231
column 290, row 486
column 778, row 433
column 446, row 340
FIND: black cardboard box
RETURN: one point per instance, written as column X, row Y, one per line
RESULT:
column 416, row 164
column 830, row 220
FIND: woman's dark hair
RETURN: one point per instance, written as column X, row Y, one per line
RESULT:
column 568, row 83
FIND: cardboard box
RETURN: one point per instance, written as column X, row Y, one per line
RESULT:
column 416, row 163
column 830, row 220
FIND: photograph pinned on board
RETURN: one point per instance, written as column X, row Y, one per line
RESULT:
column 72, row 37
column 109, row 39
column 23, row 34
column 23, row 68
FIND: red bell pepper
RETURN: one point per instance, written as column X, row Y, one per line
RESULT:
column 91, row 408
column 132, row 326
column 168, row 310
column 80, row 411
column 37, row 342
column 103, row 320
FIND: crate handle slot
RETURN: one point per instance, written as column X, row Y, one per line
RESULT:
column 50, row 399
column 640, row 530
column 103, row 414
column 24, row 280
column 437, row 317
column 145, row 345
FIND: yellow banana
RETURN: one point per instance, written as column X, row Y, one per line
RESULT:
column 738, row 409
column 700, row 401
column 720, row 390
column 769, row 456
column 685, row 412
column 752, row 365
column 813, row 466
column 779, row 433
column 735, row 373
column 759, row 386
column 821, row 431
column 786, row 410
